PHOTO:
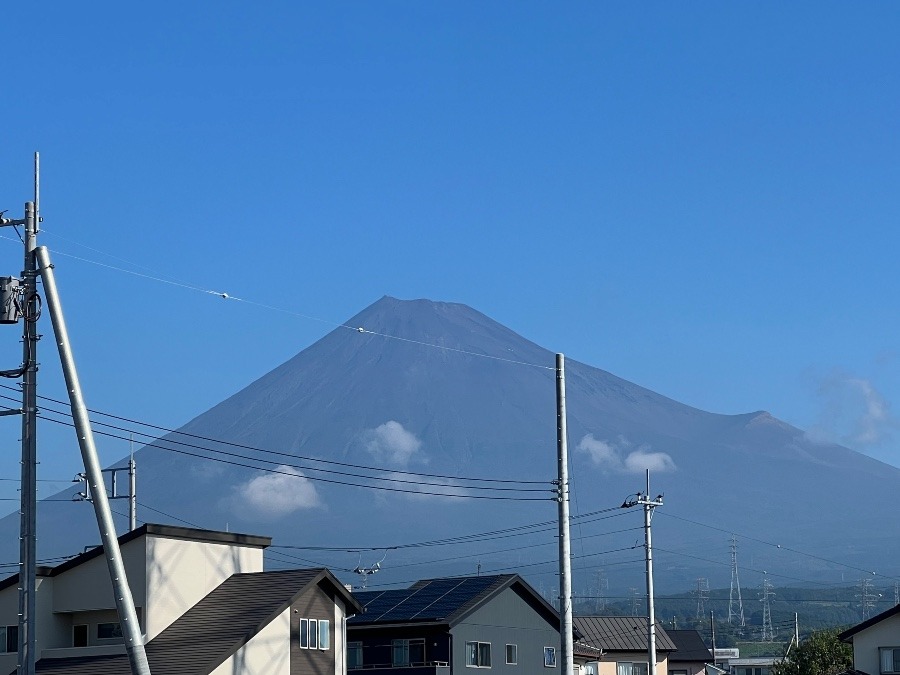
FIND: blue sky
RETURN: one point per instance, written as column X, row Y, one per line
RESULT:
column 698, row 197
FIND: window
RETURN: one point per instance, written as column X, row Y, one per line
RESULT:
column 408, row 652
column 304, row 633
column 315, row 634
column 9, row 638
column 109, row 631
column 628, row 668
column 678, row 672
column 549, row 657
column 512, row 655
column 354, row 655
column 80, row 635
column 478, row 654
column 890, row 659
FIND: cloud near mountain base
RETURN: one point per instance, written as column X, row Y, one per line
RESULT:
column 274, row 495
column 619, row 457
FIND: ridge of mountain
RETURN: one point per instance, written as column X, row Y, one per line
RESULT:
column 413, row 391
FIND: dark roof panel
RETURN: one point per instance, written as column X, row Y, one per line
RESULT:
column 620, row 633
column 690, row 646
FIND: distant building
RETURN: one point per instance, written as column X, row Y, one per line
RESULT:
column 617, row 645
column 691, row 656
column 445, row 626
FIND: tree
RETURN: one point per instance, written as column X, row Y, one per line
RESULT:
column 819, row 654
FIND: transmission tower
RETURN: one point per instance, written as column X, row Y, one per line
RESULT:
column 702, row 597
column 866, row 598
column 635, row 602
column 768, row 633
column 602, row 588
column 735, row 604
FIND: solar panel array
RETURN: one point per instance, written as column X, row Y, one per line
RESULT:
column 431, row 600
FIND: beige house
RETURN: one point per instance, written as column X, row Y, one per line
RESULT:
column 876, row 644
column 617, row 645
column 203, row 601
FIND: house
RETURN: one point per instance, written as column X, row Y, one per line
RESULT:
column 444, row 626
column 876, row 643
column 691, row 656
column 204, row 603
column 617, row 645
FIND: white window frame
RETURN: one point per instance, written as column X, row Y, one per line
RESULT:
column 324, row 632
column 881, row 654
column 515, row 652
column 549, row 657
column 303, row 630
column 479, row 663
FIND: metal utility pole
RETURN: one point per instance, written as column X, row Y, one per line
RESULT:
column 562, row 491
column 131, row 629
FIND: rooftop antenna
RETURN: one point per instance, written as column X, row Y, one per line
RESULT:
column 366, row 572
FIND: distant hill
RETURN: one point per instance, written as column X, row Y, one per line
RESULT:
column 362, row 399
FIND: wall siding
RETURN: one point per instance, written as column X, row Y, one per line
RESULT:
column 507, row 619
column 866, row 643
column 317, row 604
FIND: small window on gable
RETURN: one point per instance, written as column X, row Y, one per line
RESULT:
column 512, row 655
column 304, row 633
column 9, row 638
column 549, row 657
column 313, row 634
column 324, row 634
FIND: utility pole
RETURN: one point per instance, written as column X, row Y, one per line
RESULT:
column 649, row 505
column 712, row 629
column 562, row 498
column 131, row 629
column 113, row 493
column 21, row 302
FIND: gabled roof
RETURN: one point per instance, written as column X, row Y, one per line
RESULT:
column 868, row 623
column 443, row 601
column 167, row 531
column 213, row 629
column 690, row 646
column 620, row 633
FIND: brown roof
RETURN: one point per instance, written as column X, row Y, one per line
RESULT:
column 620, row 633
column 213, row 629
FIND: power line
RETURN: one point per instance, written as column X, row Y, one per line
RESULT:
column 272, row 452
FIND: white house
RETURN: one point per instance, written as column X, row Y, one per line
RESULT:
column 876, row 643
column 204, row 603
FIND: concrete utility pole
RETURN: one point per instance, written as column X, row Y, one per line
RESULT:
column 648, row 504
column 131, row 629
column 20, row 301
column 562, row 486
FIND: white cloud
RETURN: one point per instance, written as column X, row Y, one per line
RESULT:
column 640, row 460
column 390, row 443
column 618, row 457
column 853, row 412
column 274, row 495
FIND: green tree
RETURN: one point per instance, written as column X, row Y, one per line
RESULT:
column 819, row 654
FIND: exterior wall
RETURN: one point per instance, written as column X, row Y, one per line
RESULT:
column 607, row 666
column 179, row 573
column 337, row 637
column 51, row 630
column 318, row 604
column 689, row 667
column 87, row 587
column 265, row 654
column 885, row 633
column 507, row 619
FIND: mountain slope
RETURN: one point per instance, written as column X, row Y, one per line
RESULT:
column 364, row 399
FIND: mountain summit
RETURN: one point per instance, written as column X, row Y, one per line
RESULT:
column 434, row 393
